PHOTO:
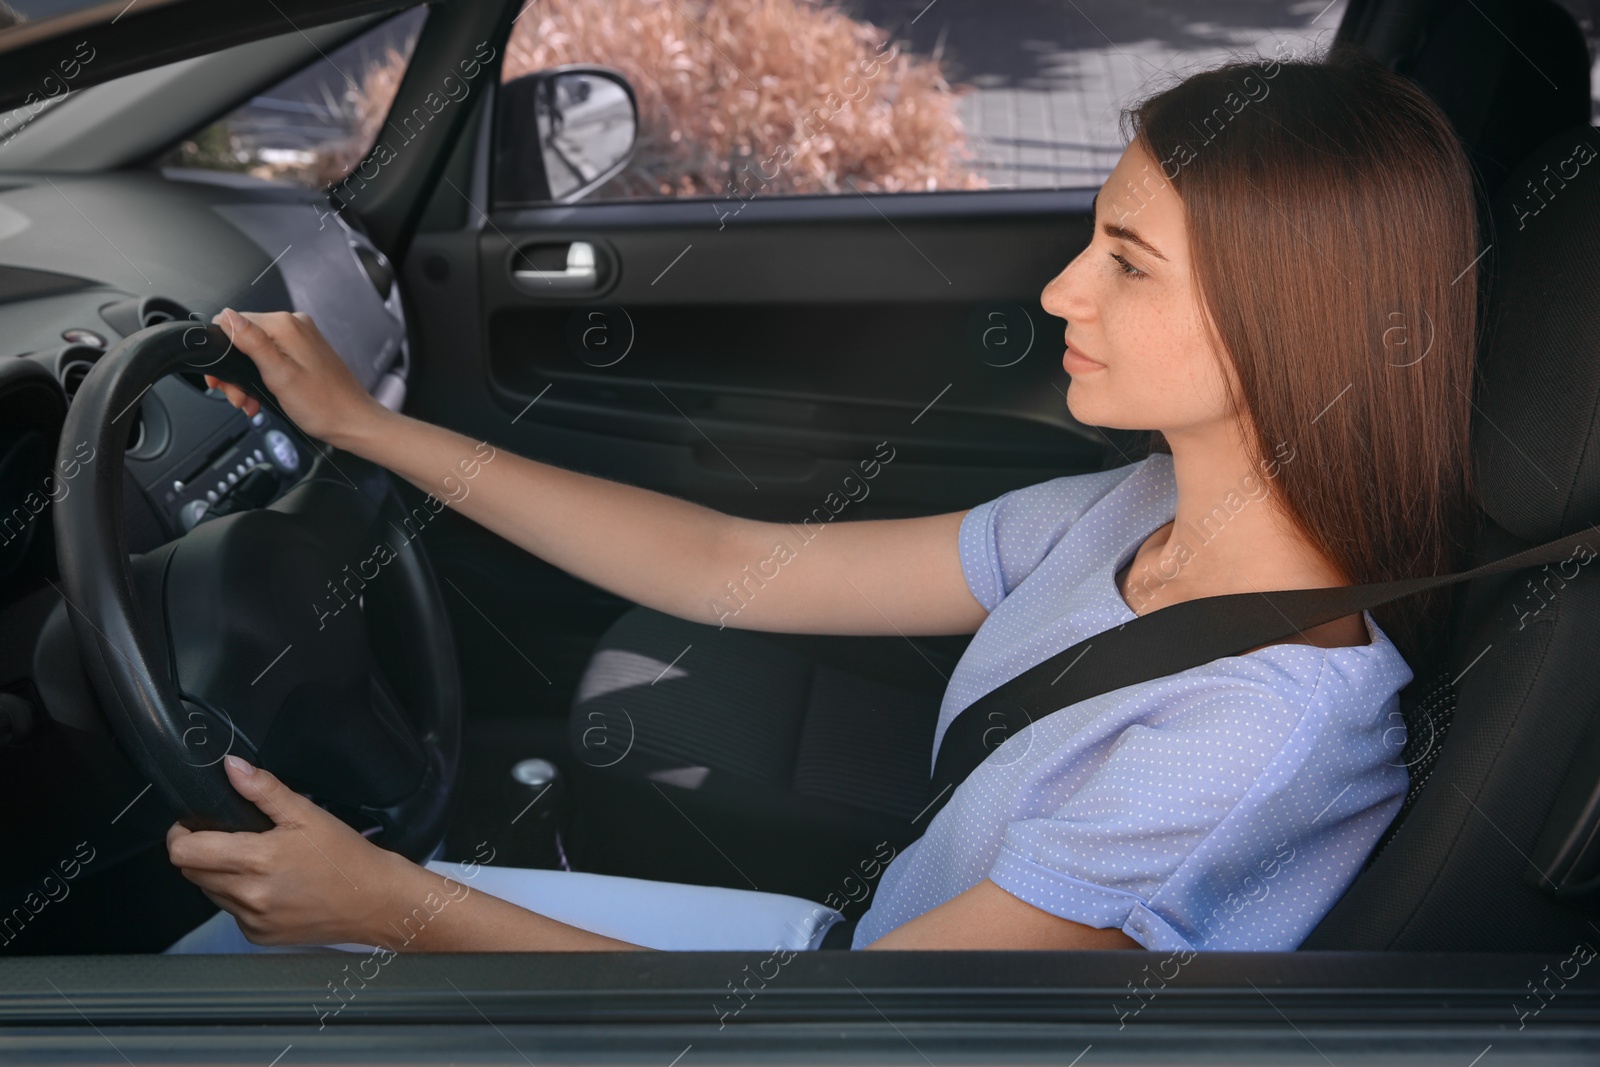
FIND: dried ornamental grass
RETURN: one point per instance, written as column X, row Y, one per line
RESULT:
column 740, row 97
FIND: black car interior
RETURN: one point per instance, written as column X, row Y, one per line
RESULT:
column 805, row 337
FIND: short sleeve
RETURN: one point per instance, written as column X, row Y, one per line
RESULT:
column 1183, row 810
column 1003, row 540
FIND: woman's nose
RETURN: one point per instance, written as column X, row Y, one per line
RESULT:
column 1064, row 296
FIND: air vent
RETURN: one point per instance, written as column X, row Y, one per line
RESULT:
column 154, row 310
column 132, row 315
column 72, row 375
column 73, row 365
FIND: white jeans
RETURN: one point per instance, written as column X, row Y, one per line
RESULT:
column 659, row 915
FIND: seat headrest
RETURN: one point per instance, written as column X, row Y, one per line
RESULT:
column 1536, row 430
column 1530, row 77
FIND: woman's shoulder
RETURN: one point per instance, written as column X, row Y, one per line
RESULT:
column 1061, row 501
column 1259, row 710
column 1356, row 678
column 1154, row 470
column 1003, row 541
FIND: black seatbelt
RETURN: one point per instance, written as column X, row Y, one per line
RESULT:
column 1175, row 639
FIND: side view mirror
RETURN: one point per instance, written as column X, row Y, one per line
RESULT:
column 562, row 133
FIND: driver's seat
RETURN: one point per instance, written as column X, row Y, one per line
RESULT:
column 1499, row 851
column 753, row 760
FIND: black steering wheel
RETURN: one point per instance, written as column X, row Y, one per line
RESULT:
column 253, row 633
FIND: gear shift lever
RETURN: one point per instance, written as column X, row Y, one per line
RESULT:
column 536, row 796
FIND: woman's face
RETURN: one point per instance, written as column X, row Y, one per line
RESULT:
column 1139, row 349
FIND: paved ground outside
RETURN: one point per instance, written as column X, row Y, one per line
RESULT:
column 1051, row 77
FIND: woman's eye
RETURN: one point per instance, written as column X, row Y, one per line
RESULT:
column 1125, row 267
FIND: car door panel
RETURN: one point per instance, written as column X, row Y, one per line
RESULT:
column 751, row 362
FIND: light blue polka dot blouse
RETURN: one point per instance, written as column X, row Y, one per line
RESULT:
column 1224, row 807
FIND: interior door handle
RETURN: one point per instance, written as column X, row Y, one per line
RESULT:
column 582, row 272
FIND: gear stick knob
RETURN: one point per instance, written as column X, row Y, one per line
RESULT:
column 536, row 793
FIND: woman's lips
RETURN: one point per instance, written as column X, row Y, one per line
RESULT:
column 1076, row 362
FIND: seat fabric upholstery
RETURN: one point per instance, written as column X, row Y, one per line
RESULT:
column 752, row 757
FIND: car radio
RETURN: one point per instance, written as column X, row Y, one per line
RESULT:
column 248, row 473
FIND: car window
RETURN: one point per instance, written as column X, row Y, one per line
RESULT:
column 1587, row 15
column 316, row 124
column 19, row 12
column 774, row 97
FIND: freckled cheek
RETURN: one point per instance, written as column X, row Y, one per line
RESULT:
column 1206, row 361
column 1140, row 340
column 1156, row 369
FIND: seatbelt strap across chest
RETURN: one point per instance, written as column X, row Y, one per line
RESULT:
column 1181, row 637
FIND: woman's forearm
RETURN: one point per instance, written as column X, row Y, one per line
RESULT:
column 657, row 550
column 887, row 576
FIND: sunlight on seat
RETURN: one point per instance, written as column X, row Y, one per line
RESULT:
column 613, row 669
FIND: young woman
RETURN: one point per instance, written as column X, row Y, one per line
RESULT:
column 1281, row 284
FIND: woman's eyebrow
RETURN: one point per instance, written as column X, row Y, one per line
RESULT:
column 1122, row 233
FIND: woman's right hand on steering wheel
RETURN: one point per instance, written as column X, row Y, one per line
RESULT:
column 312, row 384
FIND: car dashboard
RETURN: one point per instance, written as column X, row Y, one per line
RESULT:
column 86, row 261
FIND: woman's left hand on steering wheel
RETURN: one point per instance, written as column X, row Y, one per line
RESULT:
column 310, row 879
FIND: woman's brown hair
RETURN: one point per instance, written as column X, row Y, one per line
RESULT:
column 1333, row 232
